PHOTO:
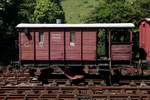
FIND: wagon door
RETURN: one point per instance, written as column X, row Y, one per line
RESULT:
column 89, row 44
column 26, row 47
column 41, row 45
column 73, row 44
column 57, row 44
column 121, row 45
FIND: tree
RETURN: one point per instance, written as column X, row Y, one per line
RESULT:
column 47, row 11
column 1, row 13
column 120, row 11
column 8, row 8
column 116, row 11
column 8, row 11
column 26, row 10
column 143, row 6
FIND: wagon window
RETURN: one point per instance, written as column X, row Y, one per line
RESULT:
column 27, row 33
column 72, row 38
column 120, row 36
column 41, row 37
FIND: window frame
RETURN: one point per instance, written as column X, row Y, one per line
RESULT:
column 72, row 38
column 41, row 37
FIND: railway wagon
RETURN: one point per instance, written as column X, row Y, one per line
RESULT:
column 73, row 43
column 144, row 39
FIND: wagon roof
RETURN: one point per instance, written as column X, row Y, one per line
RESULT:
column 147, row 19
column 96, row 25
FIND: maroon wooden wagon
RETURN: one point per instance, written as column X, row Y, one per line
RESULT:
column 73, row 43
column 144, row 39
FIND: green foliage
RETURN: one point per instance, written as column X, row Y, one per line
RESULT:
column 116, row 11
column 120, row 11
column 101, row 49
column 77, row 10
column 26, row 10
column 8, row 18
column 47, row 12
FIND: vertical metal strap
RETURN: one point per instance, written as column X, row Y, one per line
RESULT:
column 82, row 45
column 20, row 49
column 34, row 47
column 130, row 46
column 49, row 44
column 110, row 67
column 97, row 31
column 109, row 37
column 64, row 44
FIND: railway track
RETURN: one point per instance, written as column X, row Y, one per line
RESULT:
column 74, row 97
column 24, row 87
column 74, row 93
column 15, row 80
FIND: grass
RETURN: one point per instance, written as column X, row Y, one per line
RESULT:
column 76, row 11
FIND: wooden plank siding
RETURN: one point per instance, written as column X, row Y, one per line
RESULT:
column 42, row 47
column 121, row 52
column 144, row 36
column 27, row 46
column 73, row 52
column 56, row 45
column 89, row 44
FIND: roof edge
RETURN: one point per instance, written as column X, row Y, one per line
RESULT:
column 94, row 25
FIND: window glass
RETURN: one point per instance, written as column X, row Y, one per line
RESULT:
column 72, row 38
column 122, row 35
column 41, row 37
